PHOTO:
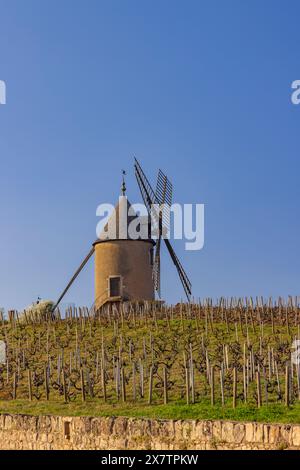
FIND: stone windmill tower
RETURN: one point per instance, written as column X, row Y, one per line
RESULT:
column 126, row 267
column 123, row 265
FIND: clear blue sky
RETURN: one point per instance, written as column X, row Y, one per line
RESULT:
column 198, row 88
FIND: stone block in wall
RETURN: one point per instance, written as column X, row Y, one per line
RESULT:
column 120, row 426
column 96, row 426
column 249, row 432
column 217, row 430
column 274, row 434
column 239, row 432
column 285, row 434
column 258, row 433
column 8, row 422
column 44, row 425
column 296, row 436
column 106, row 425
column 227, row 431
column 205, row 430
column 162, row 433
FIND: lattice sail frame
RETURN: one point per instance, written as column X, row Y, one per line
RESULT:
column 151, row 199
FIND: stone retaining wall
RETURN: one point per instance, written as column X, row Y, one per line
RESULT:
column 56, row 432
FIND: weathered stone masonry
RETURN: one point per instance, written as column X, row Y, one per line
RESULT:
column 56, row 432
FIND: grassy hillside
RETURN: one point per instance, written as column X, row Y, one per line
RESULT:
column 190, row 361
column 273, row 413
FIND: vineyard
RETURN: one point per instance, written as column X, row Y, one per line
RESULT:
column 237, row 352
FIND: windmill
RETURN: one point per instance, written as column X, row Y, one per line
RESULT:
column 158, row 204
column 127, row 269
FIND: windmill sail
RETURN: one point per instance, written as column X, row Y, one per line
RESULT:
column 147, row 192
column 162, row 195
column 156, row 268
column 84, row 262
column 181, row 272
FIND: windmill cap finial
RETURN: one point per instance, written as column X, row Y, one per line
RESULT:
column 123, row 187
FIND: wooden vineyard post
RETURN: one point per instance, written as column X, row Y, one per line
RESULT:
column 272, row 320
column 58, row 369
column 236, row 332
column 141, row 379
column 7, row 371
column 14, row 386
column 165, row 386
column 82, row 385
column 192, row 379
column 89, row 383
column 117, row 379
column 212, row 386
column 277, row 379
column 187, row 385
column 46, row 383
column 222, row 387
column 150, row 385
column 65, row 386
column 287, row 321
column 234, row 387
column 265, row 385
column 245, row 382
column 181, row 317
column 192, row 374
column 251, row 318
column 287, row 385
column 144, row 350
column 241, row 322
column 130, row 351
column 70, row 366
column 252, row 364
column 258, row 386
column 245, row 373
column 226, row 319
column 133, row 382
column 298, row 379
column 270, row 363
column 123, row 385
column 207, row 367
column 103, row 382
column 29, row 384
column 226, row 357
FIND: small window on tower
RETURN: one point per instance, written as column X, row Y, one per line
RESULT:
column 115, row 286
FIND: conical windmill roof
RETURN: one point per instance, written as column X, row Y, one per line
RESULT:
column 117, row 227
